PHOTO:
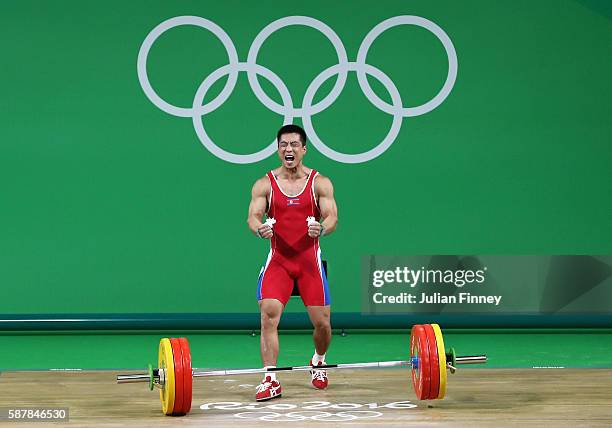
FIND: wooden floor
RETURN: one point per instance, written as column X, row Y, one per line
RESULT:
column 383, row 397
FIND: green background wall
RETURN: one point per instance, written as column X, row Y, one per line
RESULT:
column 109, row 205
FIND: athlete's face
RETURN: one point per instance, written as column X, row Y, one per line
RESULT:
column 291, row 150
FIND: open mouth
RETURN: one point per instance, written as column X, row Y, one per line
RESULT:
column 289, row 158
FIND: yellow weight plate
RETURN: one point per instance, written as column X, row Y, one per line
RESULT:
column 441, row 360
column 166, row 362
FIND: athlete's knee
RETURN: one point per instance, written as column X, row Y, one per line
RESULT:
column 270, row 316
column 269, row 321
column 321, row 323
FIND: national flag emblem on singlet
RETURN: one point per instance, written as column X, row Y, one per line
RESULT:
column 293, row 201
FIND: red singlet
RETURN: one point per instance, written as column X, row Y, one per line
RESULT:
column 294, row 256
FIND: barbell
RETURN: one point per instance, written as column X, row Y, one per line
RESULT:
column 428, row 362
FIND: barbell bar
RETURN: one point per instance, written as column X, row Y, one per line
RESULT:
column 428, row 362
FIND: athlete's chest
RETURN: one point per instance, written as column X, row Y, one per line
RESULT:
column 292, row 188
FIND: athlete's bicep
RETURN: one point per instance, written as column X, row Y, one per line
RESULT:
column 259, row 199
column 327, row 203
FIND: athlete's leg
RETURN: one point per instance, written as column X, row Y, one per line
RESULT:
column 271, row 310
column 314, row 291
column 273, row 293
column 319, row 317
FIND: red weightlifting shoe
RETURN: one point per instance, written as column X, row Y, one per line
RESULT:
column 268, row 389
column 319, row 377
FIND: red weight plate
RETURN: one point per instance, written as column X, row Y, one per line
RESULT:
column 433, row 362
column 421, row 377
column 415, row 357
column 177, row 355
column 187, row 375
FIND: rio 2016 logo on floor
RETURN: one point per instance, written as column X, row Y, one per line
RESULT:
column 307, row 109
column 309, row 410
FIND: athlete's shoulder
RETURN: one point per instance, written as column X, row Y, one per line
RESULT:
column 263, row 180
column 322, row 179
column 322, row 184
column 262, row 185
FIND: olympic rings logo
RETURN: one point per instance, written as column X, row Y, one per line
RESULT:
column 307, row 109
column 309, row 415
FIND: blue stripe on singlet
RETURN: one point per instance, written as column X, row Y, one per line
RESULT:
column 326, row 299
column 259, row 281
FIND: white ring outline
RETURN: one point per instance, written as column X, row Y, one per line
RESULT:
column 199, row 126
column 419, row 21
column 308, row 22
column 143, row 54
column 384, row 144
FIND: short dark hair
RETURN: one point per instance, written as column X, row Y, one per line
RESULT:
column 291, row 129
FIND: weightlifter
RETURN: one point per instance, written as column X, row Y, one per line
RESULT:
column 299, row 205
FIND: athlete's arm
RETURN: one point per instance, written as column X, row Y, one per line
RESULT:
column 327, row 204
column 257, row 208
